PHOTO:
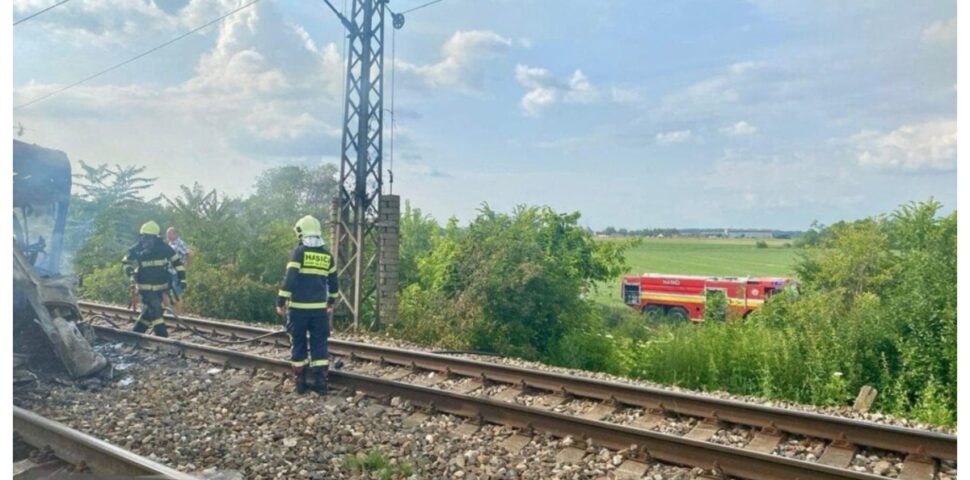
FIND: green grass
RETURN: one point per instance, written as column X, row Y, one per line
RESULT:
column 702, row 256
column 375, row 463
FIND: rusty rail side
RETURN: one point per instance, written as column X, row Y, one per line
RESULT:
column 871, row 434
column 664, row 447
column 75, row 447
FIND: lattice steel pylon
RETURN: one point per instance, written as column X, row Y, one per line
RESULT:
column 356, row 246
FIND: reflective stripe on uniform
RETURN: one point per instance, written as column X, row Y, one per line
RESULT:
column 307, row 305
column 320, row 363
column 152, row 287
column 153, row 263
column 285, row 293
column 180, row 268
column 299, row 363
column 173, row 258
column 157, row 322
column 293, row 265
column 314, row 271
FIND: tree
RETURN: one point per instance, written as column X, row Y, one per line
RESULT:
column 418, row 233
column 104, row 217
column 195, row 205
column 290, row 192
column 211, row 224
column 104, row 186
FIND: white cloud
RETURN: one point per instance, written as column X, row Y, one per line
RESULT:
column 711, row 95
column 579, row 90
column 739, row 129
column 97, row 21
column 462, row 64
column 264, row 92
column 930, row 145
column 942, row 31
column 625, row 95
column 545, row 90
column 797, row 180
column 676, row 136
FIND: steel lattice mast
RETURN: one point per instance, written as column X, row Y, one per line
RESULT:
column 356, row 244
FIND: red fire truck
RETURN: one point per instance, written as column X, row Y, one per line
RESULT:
column 684, row 296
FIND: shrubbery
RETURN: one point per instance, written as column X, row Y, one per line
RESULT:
column 106, row 284
column 876, row 302
column 223, row 292
column 509, row 283
column 240, row 245
column 877, row 306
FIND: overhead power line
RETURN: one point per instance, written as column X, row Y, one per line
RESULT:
column 28, row 17
column 419, row 7
column 136, row 57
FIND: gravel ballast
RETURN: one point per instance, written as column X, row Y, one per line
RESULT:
column 231, row 423
column 841, row 411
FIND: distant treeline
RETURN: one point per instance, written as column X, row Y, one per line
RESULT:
column 701, row 232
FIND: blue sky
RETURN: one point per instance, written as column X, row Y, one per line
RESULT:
column 757, row 113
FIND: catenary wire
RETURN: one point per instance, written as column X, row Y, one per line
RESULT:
column 136, row 57
column 419, row 7
column 28, row 17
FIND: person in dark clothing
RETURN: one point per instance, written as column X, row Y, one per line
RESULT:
column 306, row 298
column 148, row 263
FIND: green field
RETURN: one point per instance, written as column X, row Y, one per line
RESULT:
column 702, row 256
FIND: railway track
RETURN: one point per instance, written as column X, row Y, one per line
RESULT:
column 77, row 449
column 445, row 383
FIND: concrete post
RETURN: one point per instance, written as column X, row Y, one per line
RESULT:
column 388, row 225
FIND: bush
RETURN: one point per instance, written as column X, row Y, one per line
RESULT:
column 428, row 318
column 509, row 283
column 107, row 283
column 761, row 244
column 593, row 348
column 224, row 292
column 716, row 306
column 877, row 307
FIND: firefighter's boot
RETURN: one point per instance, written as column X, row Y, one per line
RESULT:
column 319, row 382
column 299, row 380
column 158, row 326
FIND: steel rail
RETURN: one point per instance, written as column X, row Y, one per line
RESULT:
column 659, row 446
column 859, row 432
column 75, row 447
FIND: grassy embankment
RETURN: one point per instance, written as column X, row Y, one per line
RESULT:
column 846, row 330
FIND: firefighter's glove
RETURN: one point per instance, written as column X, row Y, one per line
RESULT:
column 129, row 270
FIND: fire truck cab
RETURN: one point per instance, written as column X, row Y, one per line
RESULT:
column 684, row 296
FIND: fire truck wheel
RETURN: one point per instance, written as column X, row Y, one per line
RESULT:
column 653, row 312
column 679, row 314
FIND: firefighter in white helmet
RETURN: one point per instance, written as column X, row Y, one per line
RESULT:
column 307, row 298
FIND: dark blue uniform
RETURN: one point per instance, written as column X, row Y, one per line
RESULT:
column 309, row 288
column 148, row 262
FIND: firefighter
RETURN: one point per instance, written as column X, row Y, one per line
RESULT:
column 307, row 298
column 147, row 263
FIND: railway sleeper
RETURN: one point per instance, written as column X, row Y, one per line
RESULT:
column 915, row 465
